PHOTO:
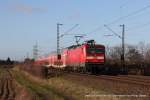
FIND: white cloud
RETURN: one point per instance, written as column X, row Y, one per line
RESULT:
column 25, row 8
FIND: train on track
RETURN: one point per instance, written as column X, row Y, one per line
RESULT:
column 88, row 57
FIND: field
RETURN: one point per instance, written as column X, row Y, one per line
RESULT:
column 16, row 84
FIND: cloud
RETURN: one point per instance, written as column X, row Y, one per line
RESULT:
column 24, row 8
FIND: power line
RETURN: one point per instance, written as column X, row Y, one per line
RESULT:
column 124, row 4
column 121, row 18
column 122, row 7
column 67, row 32
column 97, row 29
column 113, row 31
column 138, row 26
column 130, row 14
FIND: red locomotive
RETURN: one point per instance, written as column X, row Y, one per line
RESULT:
column 88, row 57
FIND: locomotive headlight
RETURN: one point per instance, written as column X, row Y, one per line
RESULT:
column 100, row 57
column 90, row 57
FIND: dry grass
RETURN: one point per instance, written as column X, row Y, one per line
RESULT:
column 23, row 94
column 104, row 85
column 37, row 87
column 77, row 89
column 67, row 89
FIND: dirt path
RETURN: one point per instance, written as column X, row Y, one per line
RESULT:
column 7, row 85
column 10, row 89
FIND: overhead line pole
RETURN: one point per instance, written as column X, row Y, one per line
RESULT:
column 60, row 36
column 58, row 39
column 123, row 45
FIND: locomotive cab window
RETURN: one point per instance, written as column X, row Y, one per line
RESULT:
column 95, row 50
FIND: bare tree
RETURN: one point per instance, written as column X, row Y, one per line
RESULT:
column 147, row 54
column 113, row 54
column 133, row 56
column 142, row 50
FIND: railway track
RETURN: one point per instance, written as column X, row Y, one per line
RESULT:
column 7, row 91
column 137, row 77
column 122, row 79
column 127, row 79
column 121, row 85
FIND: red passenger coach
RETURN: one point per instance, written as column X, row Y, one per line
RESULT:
column 50, row 61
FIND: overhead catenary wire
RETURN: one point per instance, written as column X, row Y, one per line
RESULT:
column 100, row 27
column 113, row 31
column 121, row 18
column 122, row 7
column 67, row 32
column 95, row 30
column 139, row 26
column 124, row 4
column 130, row 14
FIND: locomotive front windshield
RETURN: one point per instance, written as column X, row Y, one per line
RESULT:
column 95, row 50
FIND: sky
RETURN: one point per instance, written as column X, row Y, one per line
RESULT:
column 25, row 22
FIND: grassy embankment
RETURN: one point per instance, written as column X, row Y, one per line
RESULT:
column 57, row 88
column 39, row 90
